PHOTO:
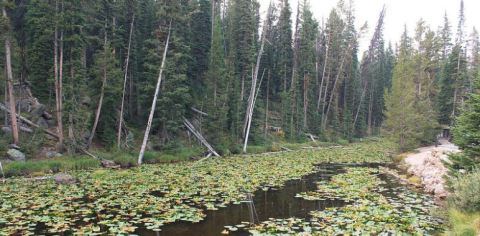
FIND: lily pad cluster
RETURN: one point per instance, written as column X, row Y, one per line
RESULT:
column 357, row 183
column 121, row 201
column 372, row 210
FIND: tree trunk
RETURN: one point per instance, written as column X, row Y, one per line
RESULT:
column 120, row 119
column 323, row 77
column 59, row 82
column 102, row 92
column 266, row 106
column 305, row 100
column 11, row 92
column 251, row 100
column 154, row 102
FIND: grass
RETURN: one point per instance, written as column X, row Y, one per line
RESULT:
column 463, row 224
column 55, row 165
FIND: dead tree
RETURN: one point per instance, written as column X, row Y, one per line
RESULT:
column 199, row 136
column 374, row 43
column 120, row 119
column 252, row 97
column 102, row 92
column 58, row 70
column 11, row 94
column 154, row 102
column 340, row 72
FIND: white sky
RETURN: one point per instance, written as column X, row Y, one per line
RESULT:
column 399, row 13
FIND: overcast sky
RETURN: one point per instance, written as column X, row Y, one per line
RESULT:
column 399, row 13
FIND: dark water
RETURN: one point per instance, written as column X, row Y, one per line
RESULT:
column 280, row 203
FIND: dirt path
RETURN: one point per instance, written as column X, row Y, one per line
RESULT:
column 427, row 164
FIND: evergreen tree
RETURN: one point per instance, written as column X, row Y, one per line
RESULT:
column 107, row 65
column 401, row 118
column 466, row 134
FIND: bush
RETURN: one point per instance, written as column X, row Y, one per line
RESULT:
column 466, row 192
column 464, row 224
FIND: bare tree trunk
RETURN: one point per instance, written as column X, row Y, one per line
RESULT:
column 120, row 119
column 360, row 104
column 370, row 111
column 251, row 100
column 102, row 92
column 59, row 87
column 305, row 100
column 5, row 99
column 266, row 106
column 323, row 76
column 242, row 88
column 342, row 64
column 154, row 102
column 11, row 92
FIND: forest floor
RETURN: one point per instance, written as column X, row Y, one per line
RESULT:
column 427, row 163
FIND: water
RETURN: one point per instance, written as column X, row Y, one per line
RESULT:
column 280, row 203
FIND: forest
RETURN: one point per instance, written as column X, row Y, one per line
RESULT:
column 140, row 116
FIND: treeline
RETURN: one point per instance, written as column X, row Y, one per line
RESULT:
column 433, row 78
column 95, row 64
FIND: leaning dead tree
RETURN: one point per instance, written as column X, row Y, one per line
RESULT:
column 199, row 136
column 252, row 98
column 102, row 93
column 154, row 102
column 120, row 119
column 11, row 96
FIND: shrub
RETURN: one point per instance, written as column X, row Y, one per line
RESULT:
column 466, row 192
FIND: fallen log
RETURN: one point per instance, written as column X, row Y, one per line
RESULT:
column 199, row 136
column 27, row 121
column 199, row 111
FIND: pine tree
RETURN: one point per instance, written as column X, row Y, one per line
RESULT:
column 400, row 101
column 217, row 93
column 466, row 134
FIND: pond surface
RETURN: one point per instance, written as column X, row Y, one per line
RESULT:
column 274, row 203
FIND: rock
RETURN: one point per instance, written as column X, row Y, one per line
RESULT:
column 38, row 110
column 6, row 130
column 26, row 129
column 110, row 164
column 42, row 122
column 24, row 105
column 14, row 146
column 51, row 123
column 64, row 179
column 52, row 154
column 15, row 155
column 86, row 101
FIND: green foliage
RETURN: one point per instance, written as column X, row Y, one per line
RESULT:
column 451, row 84
column 410, row 118
column 466, row 193
column 466, row 134
column 107, row 66
column 463, row 224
